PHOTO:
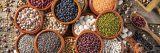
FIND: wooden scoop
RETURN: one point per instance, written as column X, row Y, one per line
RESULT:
column 146, row 28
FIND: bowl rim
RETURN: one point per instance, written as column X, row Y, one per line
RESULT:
column 45, row 8
column 49, row 30
column 17, row 41
column 70, row 22
column 95, row 34
column 84, row 14
column 24, row 31
column 117, row 33
column 93, row 9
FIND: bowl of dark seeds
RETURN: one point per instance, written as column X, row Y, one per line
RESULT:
column 28, row 19
column 88, row 42
column 48, row 41
column 25, row 44
column 66, row 11
column 40, row 4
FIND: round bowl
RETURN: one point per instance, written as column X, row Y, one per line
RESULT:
column 73, row 21
column 73, row 28
column 24, row 31
column 88, row 31
column 45, row 8
column 66, row 27
column 121, row 25
column 17, row 42
column 93, row 9
column 48, row 30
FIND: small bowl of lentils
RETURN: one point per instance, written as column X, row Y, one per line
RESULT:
column 86, row 22
column 66, row 11
column 109, row 24
column 51, row 23
column 48, row 41
column 40, row 4
column 28, row 19
column 69, row 45
column 25, row 44
column 88, row 42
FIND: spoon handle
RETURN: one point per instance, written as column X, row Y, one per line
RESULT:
column 155, row 37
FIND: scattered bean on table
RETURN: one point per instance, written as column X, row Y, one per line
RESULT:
column 66, row 10
column 88, row 43
column 108, row 24
column 40, row 3
column 82, row 3
column 25, row 44
column 28, row 19
column 112, row 46
column 48, row 42
column 51, row 23
column 85, row 23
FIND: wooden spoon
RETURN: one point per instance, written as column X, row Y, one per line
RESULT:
column 146, row 28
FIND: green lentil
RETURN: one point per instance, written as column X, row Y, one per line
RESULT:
column 108, row 24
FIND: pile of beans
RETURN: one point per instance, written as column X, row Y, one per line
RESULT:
column 138, row 37
column 88, row 43
column 108, row 24
column 25, row 44
column 51, row 23
column 102, row 5
column 138, row 21
column 40, row 3
column 112, row 46
column 48, row 42
column 85, row 23
column 28, row 19
column 66, row 10
column 69, row 43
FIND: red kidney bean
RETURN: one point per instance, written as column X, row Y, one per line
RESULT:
column 40, row 3
column 138, row 21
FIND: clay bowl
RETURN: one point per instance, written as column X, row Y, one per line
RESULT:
column 73, row 28
column 17, row 42
column 48, row 30
column 88, row 31
column 44, row 8
column 73, row 21
column 66, row 27
column 114, row 35
column 93, row 9
column 24, row 31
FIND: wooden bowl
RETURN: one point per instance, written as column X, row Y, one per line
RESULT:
column 17, row 42
column 88, row 31
column 48, row 30
column 73, row 21
column 73, row 28
column 24, row 31
column 116, row 34
column 93, row 9
column 66, row 27
column 45, row 8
